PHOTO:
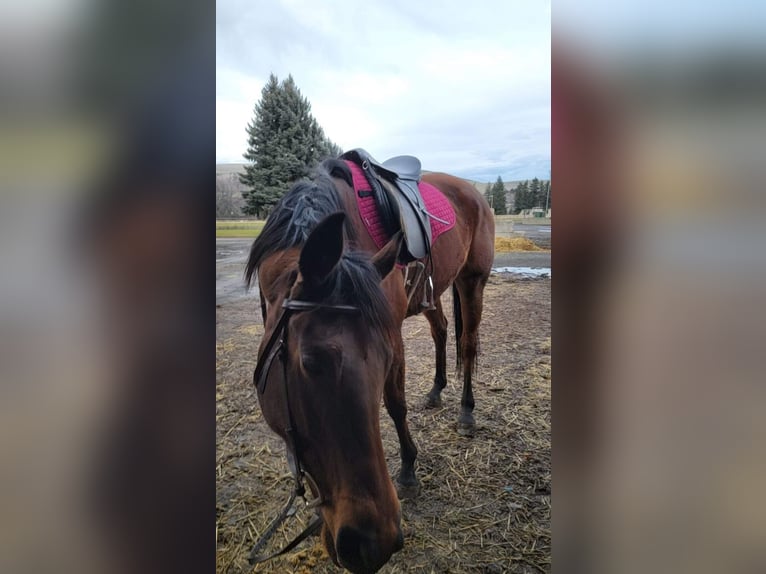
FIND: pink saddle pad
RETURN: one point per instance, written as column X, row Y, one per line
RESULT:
column 436, row 204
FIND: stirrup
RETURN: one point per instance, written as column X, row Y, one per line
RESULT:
column 411, row 285
column 428, row 304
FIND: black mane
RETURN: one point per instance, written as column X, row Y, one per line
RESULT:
column 354, row 281
column 307, row 203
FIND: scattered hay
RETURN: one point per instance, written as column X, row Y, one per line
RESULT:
column 304, row 561
column 507, row 244
column 223, row 348
column 485, row 502
column 251, row 330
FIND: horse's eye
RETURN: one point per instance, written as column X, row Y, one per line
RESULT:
column 311, row 363
column 320, row 361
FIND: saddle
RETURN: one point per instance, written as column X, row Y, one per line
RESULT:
column 394, row 185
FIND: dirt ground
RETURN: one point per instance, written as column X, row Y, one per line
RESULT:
column 485, row 502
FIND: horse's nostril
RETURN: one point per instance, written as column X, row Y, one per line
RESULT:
column 357, row 551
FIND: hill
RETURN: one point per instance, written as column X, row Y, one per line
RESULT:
column 221, row 168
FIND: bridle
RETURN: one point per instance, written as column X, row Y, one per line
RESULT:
column 276, row 346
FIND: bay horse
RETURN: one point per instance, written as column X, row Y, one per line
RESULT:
column 333, row 305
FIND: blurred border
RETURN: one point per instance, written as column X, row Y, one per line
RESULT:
column 107, row 134
column 658, row 305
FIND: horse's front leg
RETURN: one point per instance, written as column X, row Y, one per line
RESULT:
column 393, row 396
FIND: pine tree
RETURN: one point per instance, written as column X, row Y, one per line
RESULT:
column 498, row 196
column 522, row 197
column 284, row 142
column 534, row 193
column 517, row 197
column 529, row 196
column 332, row 149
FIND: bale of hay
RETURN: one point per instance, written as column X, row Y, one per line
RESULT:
column 507, row 244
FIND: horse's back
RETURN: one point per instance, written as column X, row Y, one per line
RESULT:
column 474, row 234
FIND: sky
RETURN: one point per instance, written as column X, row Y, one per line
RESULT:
column 464, row 86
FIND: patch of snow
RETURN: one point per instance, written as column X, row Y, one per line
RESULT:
column 524, row 271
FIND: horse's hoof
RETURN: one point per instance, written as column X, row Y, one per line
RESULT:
column 466, row 425
column 433, row 401
column 405, row 491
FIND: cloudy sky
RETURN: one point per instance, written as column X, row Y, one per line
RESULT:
column 465, row 86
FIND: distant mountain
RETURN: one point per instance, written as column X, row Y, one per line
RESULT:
column 229, row 168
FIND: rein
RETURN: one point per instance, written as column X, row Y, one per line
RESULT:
column 275, row 347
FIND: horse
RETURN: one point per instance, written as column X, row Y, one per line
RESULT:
column 333, row 305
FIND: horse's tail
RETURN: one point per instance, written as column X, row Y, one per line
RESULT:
column 458, row 319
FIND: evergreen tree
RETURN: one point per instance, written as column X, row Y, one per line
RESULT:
column 534, row 193
column 332, row 149
column 522, row 197
column 517, row 197
column 498, row 197
column 284, row 142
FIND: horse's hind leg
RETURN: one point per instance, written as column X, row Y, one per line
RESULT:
column 396, row 405
column 470, row 289
column 439, row 334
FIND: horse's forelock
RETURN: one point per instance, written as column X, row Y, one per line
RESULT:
column 359, row 284
column 354, row 281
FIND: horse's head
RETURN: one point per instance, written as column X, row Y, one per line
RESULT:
column 337, row 351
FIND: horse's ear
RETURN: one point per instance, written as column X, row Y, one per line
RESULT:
column 385, row 259
column 323, row 249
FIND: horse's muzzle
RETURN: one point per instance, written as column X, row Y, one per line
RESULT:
column 361, row 553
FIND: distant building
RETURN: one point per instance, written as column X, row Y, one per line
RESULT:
column 535, row 212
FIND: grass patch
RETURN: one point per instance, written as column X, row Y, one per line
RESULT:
column 250, row 228
column 240, row 228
